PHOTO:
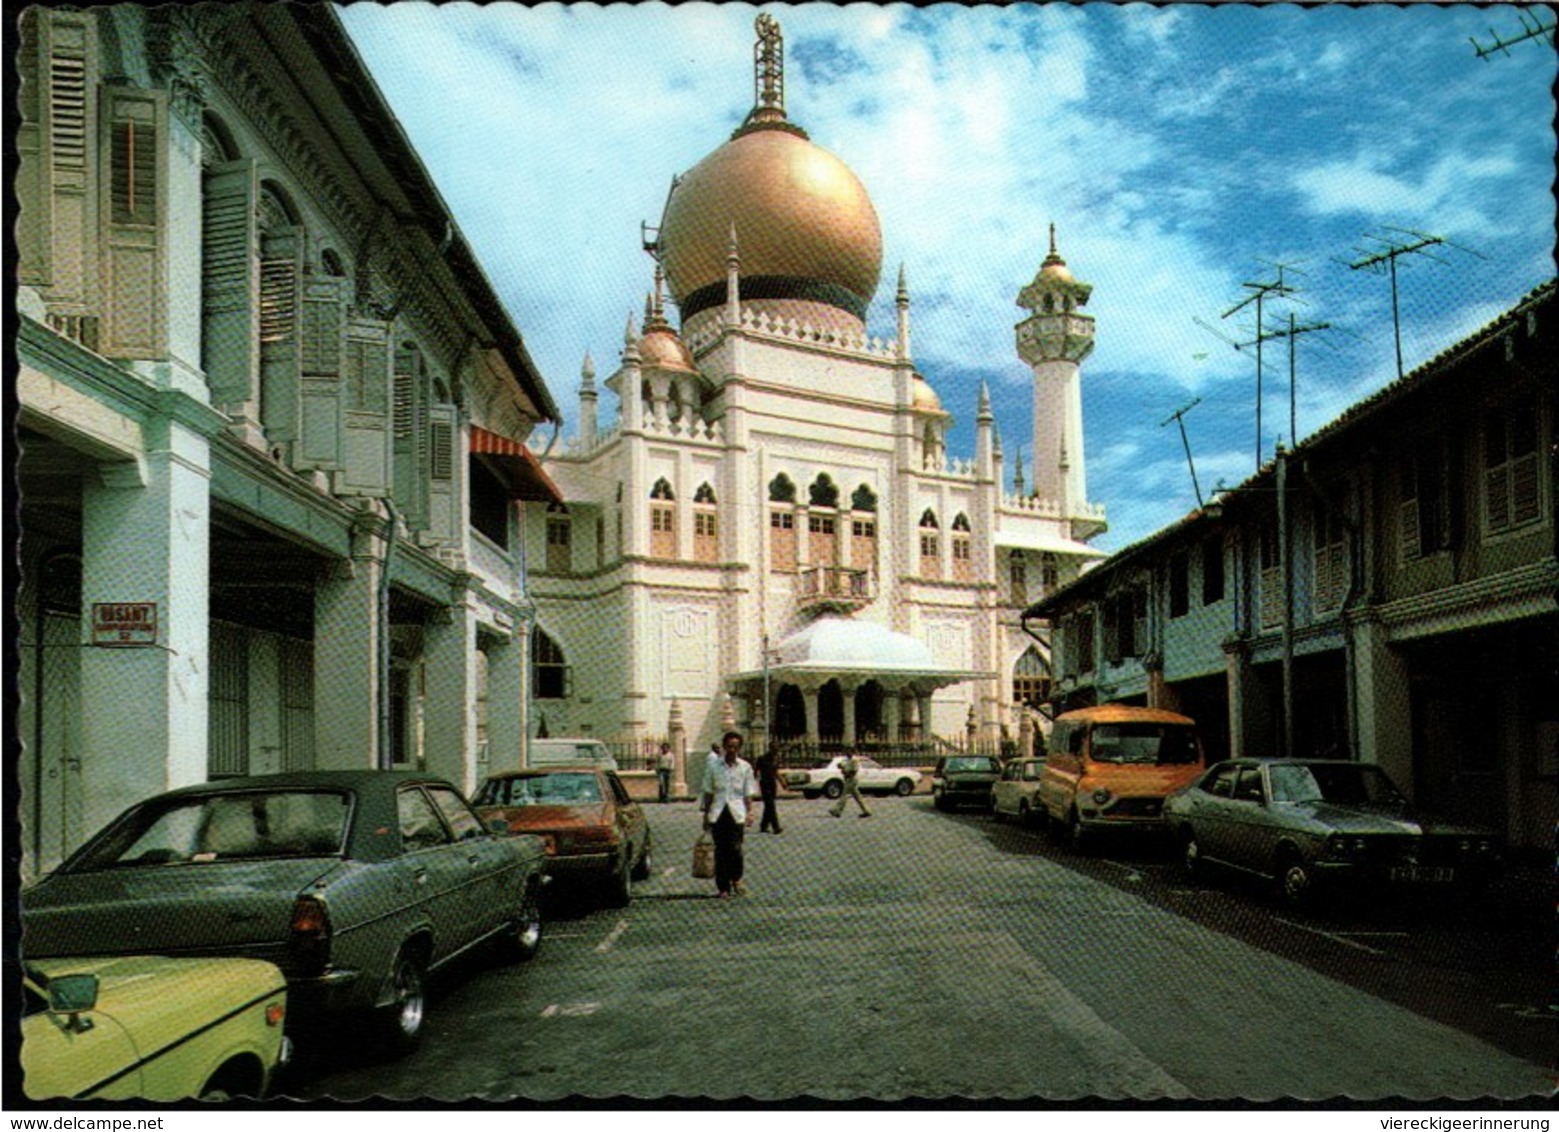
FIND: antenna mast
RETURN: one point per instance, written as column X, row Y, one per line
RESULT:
column 1417, row 245
column 1258, row 295
column 1532, row 28
column 1178, row 416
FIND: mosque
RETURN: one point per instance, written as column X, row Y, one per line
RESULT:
column 769, row 531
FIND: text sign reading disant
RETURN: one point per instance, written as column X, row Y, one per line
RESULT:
column 124, row 624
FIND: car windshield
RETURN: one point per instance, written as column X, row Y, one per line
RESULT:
column 977, row 765
column 223, row 827
column 541, row 790
column 1152, row 744
column 1352, row 784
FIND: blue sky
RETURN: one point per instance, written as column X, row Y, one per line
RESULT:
column 1181, row 151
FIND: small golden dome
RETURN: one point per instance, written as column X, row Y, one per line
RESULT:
column 660, row 348
column 802, row 220
column 923, row 398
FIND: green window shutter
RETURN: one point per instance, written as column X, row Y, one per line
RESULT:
column 366, row 416
column 281, row 360
column 134, row 141
column 443, row 487
column 230, row 282
column 410, row 441
column 322, row 349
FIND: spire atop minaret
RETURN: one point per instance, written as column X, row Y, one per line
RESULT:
column 587, row 402
column 587, row 375
column 901, row 300
column 1017, row 475
column 768, row 78
column 660, row 284
column 733, row 281
column 631, row 337
column 983, row 411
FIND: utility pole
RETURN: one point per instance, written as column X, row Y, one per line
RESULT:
column 1179, row 417
column 1286, row 565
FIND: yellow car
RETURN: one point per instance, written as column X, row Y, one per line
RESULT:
column 142, row 1026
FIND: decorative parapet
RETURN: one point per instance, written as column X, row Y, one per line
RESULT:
column 1052, row 509
column 833, row 587
column 765, row 325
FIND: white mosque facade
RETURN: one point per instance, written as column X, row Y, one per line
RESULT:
column 769, row 532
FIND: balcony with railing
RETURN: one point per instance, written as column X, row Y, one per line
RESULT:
column 834, row 588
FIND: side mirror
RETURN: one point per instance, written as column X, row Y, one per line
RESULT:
column 73, row 995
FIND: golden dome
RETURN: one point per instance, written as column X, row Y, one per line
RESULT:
column 923, row 398
column 660, row 348
column 805, row 227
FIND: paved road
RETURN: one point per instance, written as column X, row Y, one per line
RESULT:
column 921, row 955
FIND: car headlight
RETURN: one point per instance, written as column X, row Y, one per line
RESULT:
column 1101, row 796
column 1345, row 847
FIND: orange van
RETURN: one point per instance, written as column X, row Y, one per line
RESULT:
column 1111, row 767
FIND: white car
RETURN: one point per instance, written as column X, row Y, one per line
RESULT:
column 1016, row 792
column 827, row 779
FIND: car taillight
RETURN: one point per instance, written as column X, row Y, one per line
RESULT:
column 274, row 1013
column 309, row 936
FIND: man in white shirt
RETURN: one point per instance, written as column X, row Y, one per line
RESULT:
column 730, row 788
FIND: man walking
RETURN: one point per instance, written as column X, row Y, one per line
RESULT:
column 768, row 787
column 663, row 768
column 729, row 791
column 850, row 767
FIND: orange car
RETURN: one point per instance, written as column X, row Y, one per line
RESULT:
column 1111, row 767
column 590, row 826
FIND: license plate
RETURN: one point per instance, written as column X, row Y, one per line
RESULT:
column 1421, row 874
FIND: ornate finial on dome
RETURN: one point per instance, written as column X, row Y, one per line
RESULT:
column 768, row 80
column 587, row 373
column 660, row 284
column 1052, row 254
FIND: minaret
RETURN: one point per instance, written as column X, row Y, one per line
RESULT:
column 901, row 301
column 984, row 425
column 587, row 404
column 1054, row 339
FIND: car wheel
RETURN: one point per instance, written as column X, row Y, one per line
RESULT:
column 904, row 788
column 641, row 871
column 1025, row 816
column 834, row 789
column 401, row 1021
column 1077, row 835
column 1191, row 855
column 1296, row 884
column 522, row 938
column 619, row 892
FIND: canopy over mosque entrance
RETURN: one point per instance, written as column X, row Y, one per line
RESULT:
column 842, row 680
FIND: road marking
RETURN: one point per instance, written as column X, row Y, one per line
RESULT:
column 1335, row 938
column 668, row 870
column 570, row 1010
column 606, row 944
column 1131, row 873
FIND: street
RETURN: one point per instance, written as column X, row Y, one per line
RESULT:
column 924, row 955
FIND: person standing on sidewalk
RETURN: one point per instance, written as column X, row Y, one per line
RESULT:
column 850, row 767
column 664, row 765
column 768, row 787
column 730, row 788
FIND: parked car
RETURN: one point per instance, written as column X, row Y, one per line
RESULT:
column 872, row 777
column 1015, row 793
column 592, row 830
column 570, row 752
column 149, row 1028
column 355, row 883
column 962, row 780
column 1108, row 769
column 1317, row 825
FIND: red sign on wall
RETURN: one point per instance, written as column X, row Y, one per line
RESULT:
column 124, row 624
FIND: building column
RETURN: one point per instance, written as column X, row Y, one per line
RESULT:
column 1385, row 733
column 1236, row 671
column 848, row 695
column 809, row 698
column 346, row 653
column 145, row 533
column 265, row 703
column 449, row 705
column 505, row 703
column 923, row 708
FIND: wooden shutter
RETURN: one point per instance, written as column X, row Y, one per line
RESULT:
column 1524, row 484
column 57, row 225
column 366, row 435
column 1407, row 511
column 135, row 125
column 322, row 353
column 281, row 361
column 443, row 488
column 230, row 282
column 410, row 442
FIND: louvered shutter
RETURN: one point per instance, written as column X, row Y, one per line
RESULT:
column 410, row 437
column 134, row 278
column 57, row 227
column 32, row 179
column 366, row 435
column 230, row 282
column 443, row 486
column 281, row 277
column 1524, row 485
column 322, row 346
column 1407, row 512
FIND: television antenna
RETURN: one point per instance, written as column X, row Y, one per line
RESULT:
column 1532, row 27
column 1407, row 241
column 1178, row 416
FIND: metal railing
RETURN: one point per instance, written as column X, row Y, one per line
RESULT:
column 842, row 586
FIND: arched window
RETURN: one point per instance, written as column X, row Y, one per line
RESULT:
column 1031, row 679
column 1017, row 578
column 863, row 499
column 931, row 447
column 962, row 546
column 560, row 539
column 549, row 668
column 863, row 529
column 823, row 492
column 663, row 520
column 706, row 531
column 930, row 546
column 1049, row 572
column 782, row 489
